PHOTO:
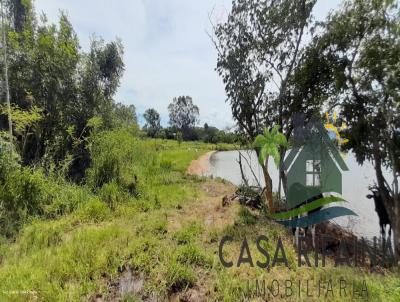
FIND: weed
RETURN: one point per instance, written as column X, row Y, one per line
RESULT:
column 246, row 217
column 188, row 233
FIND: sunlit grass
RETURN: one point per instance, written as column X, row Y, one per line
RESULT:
column 76, row 252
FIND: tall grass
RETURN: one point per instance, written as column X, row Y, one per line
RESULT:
column 72, row 242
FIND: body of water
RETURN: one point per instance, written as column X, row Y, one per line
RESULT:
column 355, row 186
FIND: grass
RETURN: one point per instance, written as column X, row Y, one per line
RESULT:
column 161, row 233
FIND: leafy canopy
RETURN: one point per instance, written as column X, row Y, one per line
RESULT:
column 183, row 113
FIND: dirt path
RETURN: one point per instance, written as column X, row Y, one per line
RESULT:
column 200, row 166
column 207, row 209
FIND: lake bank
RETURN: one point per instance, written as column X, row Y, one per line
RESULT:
column 354, row 190
column 200, row 166
column 159, row 246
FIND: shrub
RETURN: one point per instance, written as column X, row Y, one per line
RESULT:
column 41, row 234
column 66, row 199
column 246, row 217
column 111, row 194
column 93, row 211
column 112, row 155
column 24, row 193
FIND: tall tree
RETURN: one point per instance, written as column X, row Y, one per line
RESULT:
column 261, row 48
column 153, row 122
column 21, row 12
column 362, row 43
column 6, row 78
column 183, row 114
column 49, row 74
column 125, row 115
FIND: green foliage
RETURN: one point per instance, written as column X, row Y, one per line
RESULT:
column 56, row 88
column 112, row 194
column 246, row 216
column 24, row 194
column 23, row 119
column 113, row 155
column 94, row 210
column 153, row 122
column 183, row 115
column 125, row 116
column 66, row 198
column 179, row 137
column 69, row 240
column 40, row 235
column 359, row 48
column 179, row 277
column 260, row 47
column 71, row 256
column 187, row 234
column 191, row 254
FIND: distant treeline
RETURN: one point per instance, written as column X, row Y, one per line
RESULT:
column 207, row 134
column 183, row 120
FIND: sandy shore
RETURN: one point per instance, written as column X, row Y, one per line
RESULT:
column 201, row 165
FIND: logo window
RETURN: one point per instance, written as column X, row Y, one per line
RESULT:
column 313, row 173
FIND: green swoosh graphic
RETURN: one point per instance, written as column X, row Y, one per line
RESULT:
column 317, row 217
column 307, row 207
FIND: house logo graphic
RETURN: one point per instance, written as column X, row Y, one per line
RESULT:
column 313, row 170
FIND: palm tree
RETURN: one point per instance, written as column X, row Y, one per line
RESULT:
column 266, row 145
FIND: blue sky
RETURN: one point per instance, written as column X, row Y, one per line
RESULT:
column 167, row 50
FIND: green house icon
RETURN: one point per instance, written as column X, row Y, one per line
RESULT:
column 314, row 165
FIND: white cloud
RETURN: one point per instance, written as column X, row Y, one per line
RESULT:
column 167, row 50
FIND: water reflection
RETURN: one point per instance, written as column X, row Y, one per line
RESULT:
column 355, row 186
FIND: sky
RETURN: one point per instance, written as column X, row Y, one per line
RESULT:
column 167, row 50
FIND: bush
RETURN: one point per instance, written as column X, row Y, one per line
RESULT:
column 25, row 193
column 66, row 199
column 111, row 194
column 246, row 217
column 112, row 155
column 93, row 211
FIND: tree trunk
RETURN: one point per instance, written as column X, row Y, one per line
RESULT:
column 396, row 235
column 268, row 187
column 396, row 222
column 389, row 202
column 396, row 231
column 244, row 178
column 268, row 183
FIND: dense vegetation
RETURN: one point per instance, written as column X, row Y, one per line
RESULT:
column 62, row 111
column 82, row 238
column 86, row 196
column 277, row 60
